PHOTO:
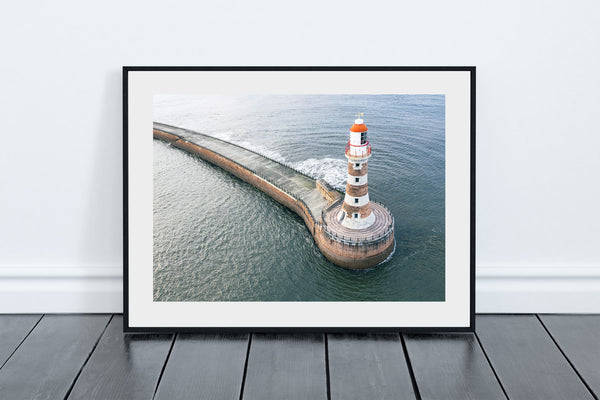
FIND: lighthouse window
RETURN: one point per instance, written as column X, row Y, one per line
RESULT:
column 356, row 180
column 355, row 215
column 356, row 200
column 357, row 165
column 363, row 137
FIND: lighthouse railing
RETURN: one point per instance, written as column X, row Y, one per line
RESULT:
column 376, row 239
column 358, row 151
column 355, row 241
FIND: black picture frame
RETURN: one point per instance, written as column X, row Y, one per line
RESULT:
column 129, row 196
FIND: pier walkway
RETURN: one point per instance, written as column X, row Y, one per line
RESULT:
column 294, row 183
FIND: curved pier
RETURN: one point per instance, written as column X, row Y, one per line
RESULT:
column 313, row 200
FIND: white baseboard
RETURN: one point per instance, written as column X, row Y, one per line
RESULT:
column 48, row 289
column 538, row 289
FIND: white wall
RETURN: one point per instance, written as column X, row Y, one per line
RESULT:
column 538, row 130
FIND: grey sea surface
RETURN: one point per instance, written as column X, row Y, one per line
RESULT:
column 217, row 238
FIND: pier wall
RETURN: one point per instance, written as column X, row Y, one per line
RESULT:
column 327, row 191
column 354, row 256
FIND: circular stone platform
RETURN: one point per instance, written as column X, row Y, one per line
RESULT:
column 356, row 248
column 384, row 223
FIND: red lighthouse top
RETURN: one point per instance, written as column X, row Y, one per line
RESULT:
column 359, row 126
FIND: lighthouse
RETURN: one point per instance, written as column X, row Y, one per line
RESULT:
column 356, row 212
column 355, row 232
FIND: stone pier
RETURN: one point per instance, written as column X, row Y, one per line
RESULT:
column 313, row 200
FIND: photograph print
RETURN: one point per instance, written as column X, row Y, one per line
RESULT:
column 298, row 198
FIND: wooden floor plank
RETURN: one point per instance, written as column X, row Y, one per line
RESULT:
column 368, row 366
column 526, row 360
column 286, row 366
column 123, row 366
column 579, row 338
column 205, row 367
column 13, row 329
column 48, row 361
column 451, row 366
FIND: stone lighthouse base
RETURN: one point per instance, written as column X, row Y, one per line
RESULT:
column 356, row 248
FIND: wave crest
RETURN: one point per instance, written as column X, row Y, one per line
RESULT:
column 333, row 170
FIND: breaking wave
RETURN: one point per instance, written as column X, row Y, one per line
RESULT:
column 263, row 151
column 333, row 170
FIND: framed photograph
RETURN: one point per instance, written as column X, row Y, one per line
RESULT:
column 299, row 198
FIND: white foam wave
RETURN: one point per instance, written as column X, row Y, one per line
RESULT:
column 263, row 151
column 225, row 136
column 333, row 170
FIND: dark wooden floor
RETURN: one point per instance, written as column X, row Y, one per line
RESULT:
column 510, row 356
